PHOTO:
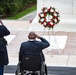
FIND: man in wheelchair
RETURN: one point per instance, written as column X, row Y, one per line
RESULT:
column 31, row 55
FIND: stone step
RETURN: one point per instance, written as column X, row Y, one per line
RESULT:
column 52, row 70
column 61, row 70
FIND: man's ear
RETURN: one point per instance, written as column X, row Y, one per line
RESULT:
column 28, row 36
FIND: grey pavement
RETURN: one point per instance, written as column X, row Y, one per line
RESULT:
column 28, row 17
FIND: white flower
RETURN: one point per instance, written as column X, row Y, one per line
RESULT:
column 44, row 23
column 51, row 23
column 55, row 14
column 42, row 20
column 55, row 20
column 45, row 10
column 42, row 15
column 51, row 10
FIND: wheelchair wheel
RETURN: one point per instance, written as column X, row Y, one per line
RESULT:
column 17, row 73
column 43, row 70
column 18, row 69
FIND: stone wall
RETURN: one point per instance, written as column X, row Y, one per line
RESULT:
column 65, row 7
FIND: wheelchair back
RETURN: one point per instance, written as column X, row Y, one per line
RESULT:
column 31, row 62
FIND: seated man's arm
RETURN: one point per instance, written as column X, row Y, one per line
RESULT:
column 45, row 43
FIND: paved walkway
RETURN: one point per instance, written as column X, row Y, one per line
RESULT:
column 29, row 16
column 53, row 59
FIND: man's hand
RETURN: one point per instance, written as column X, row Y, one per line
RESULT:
column 1, row 22
column 37, row 36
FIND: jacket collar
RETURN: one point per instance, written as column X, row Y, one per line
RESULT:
column 31, row 39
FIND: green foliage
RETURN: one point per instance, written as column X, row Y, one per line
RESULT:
column 12, row 7
column 25, row 12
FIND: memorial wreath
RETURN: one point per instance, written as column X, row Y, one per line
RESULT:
column 49, row 17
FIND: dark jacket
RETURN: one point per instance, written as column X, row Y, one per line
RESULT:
column 34, row 47
column 3, row 49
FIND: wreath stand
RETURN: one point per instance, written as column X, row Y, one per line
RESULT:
column 49, row 17
column 53, row 33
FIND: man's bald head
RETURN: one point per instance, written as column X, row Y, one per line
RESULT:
column 32, row 35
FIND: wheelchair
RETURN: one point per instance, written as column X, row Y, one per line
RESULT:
column 31, row 65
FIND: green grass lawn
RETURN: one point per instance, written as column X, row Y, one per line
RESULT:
column 23, row 13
